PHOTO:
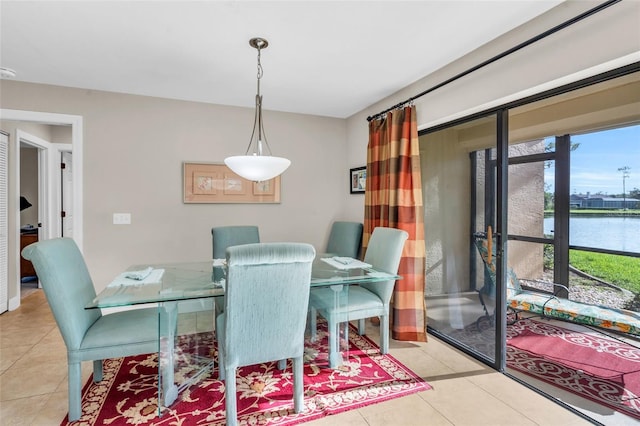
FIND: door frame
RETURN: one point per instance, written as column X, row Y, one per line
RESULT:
column 76, row 123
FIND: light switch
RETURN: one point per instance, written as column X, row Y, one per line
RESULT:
column 122, row 218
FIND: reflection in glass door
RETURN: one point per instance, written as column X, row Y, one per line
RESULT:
column 459, row 189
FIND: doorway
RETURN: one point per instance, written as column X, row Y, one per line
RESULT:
column 49, row 182
column 41, row 194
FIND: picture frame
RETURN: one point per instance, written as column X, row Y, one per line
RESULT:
column 357, row 180
column 216, row 183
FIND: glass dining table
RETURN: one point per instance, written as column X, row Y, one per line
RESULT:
column 168, row 286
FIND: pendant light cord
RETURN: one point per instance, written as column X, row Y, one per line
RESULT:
column 257, row 122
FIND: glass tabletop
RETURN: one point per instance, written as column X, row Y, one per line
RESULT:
column 196, row 280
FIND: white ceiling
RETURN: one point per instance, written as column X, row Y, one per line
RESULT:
column 329, row 58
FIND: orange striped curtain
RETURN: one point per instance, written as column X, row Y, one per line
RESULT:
column 393, row 198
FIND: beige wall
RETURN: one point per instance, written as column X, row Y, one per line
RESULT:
column 134, row 148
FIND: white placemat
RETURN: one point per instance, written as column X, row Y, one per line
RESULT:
column 154, row 277
column 345, row 262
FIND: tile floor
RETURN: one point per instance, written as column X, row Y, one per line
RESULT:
column 33, row 384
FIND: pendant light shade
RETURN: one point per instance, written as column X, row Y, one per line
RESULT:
column 257, row 164
column 257, row 167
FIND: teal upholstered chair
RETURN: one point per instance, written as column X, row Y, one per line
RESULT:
column 223, row 237
column 345, row 239
column 88, row 335
column 227, row 236
column 266, row 301
column 365, row 300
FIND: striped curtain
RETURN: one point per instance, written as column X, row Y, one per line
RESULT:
column 393, row 198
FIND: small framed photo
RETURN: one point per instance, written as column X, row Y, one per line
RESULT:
column 358, row 180
column 204, row 183
column 233, row 184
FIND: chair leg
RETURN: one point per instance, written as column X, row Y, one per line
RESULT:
column 221, row 370
column 361, row 327
column 313, row 324
column 298, row 384
column 282, row 364
column 384, row 334
column 97, row 370
column 230, row 396
column 75, row 391
column 219, row 337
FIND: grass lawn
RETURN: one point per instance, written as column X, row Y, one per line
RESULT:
column 622, row 271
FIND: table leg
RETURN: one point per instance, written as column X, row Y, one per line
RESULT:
column 336, row 354
column 167, row 389
column 199, row 363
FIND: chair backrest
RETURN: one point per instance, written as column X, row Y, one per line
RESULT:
column 384, row 253
column 67, row 285
column 345, row 239
column 227, row 236
column 513, row 284
column 266, row 301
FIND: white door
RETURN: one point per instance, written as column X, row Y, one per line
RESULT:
column 4, row 226
column 67, row 193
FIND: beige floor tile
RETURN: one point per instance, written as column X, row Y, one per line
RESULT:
column 15, row 337
column 23, row 411
column 463, row 403
column 421, row 363
column 53, row 411
column 9, row 355
column 407, row 411
column 54, row 336
column 525, row 401
column 33, row 320
column 42, row 354
column 32, row 380
column 454, row 359
column 350, row 418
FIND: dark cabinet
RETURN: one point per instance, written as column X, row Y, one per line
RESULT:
column 26, row 267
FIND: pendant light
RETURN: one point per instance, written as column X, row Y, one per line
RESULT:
column 257, row 164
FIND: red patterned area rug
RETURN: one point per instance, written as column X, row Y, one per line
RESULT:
column 596, row 367
column 128, row 393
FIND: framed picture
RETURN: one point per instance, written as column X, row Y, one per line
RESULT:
column 263, row 188
column 216, row 183
column 358, row 180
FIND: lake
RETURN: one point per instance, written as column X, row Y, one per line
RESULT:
column 613, row 233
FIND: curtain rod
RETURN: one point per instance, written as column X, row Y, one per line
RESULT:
column 526, row 43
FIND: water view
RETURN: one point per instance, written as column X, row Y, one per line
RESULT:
column 612, row 233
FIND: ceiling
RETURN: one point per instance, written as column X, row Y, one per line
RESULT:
column 328, row 58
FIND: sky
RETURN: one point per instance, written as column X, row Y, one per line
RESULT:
column 595, row 163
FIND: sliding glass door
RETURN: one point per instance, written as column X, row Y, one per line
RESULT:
column 460, row 189
column 543, row 193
